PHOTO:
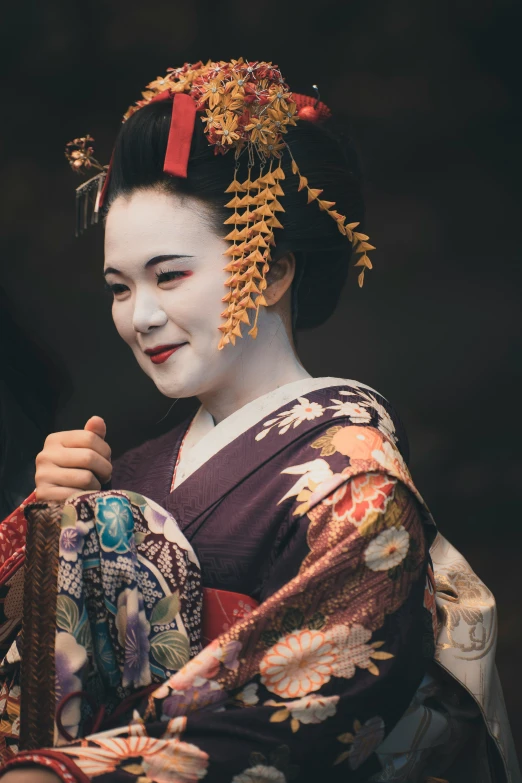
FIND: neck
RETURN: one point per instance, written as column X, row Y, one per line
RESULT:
column 263, row 365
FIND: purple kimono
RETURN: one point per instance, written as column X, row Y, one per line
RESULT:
column 308, row 509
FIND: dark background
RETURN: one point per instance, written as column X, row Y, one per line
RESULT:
column 432, row 92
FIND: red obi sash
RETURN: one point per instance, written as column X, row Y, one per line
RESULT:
column 221, row 609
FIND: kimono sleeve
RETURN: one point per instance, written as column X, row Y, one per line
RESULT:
column 12, row 553
column 12, row 536
column 308, row 685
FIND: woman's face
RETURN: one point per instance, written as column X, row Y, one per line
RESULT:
column 164, row 263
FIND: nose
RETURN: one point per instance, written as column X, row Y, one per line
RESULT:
column 147, row 313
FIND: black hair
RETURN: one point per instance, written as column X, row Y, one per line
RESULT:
column 328, row 160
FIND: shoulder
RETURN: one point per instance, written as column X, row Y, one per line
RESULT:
column 339, row 403
column 330, row 435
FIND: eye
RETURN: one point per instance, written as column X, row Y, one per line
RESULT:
column 165, row 276
column 115, row 288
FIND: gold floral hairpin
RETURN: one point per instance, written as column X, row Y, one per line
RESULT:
column 247, row 107
column 80, row 154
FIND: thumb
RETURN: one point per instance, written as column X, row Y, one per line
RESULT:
column 97, row 425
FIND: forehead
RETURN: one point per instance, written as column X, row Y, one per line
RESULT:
column 157, row 222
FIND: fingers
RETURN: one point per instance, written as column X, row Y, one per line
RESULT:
column 73, row 461
column 52, row 460
column 48, row 494
column 97, row 425
column 86, row 460
column 66, row 478
column 78, row 439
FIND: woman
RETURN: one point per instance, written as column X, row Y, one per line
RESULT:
column 293, row 491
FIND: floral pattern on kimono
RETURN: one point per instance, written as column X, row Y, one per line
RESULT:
column 310, row 682
column 250, row 511
column 123, row 621
column 12, row 555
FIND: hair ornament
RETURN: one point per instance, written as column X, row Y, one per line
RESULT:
column 246, row 108
column 80, row 154
column 312, row 109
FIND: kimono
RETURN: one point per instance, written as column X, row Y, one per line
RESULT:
column 342, row 638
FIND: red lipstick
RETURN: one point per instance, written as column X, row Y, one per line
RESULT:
column 161, row 353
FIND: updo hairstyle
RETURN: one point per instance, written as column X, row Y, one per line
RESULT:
column 328, row 160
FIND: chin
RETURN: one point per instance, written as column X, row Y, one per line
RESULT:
column 174, row 390
column 177, row 384
column 179, row 380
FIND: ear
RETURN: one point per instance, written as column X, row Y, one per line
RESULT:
column 279, row 278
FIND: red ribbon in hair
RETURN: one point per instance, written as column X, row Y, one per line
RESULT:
column 180, row 135
column 311, row 109
column 182, row 123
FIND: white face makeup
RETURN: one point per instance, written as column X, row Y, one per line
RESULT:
column 165, row 265
column 168, row 288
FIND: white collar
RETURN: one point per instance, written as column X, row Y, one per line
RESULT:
column 209, row 438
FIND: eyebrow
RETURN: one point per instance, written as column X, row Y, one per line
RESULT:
column 150, row 262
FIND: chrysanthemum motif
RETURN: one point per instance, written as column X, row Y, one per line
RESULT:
column 388, row 549
column 163, row 760
column 298, row 664
column 355, row 650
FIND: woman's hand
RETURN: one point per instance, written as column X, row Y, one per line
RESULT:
column 30, row 775
column 73, row 461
